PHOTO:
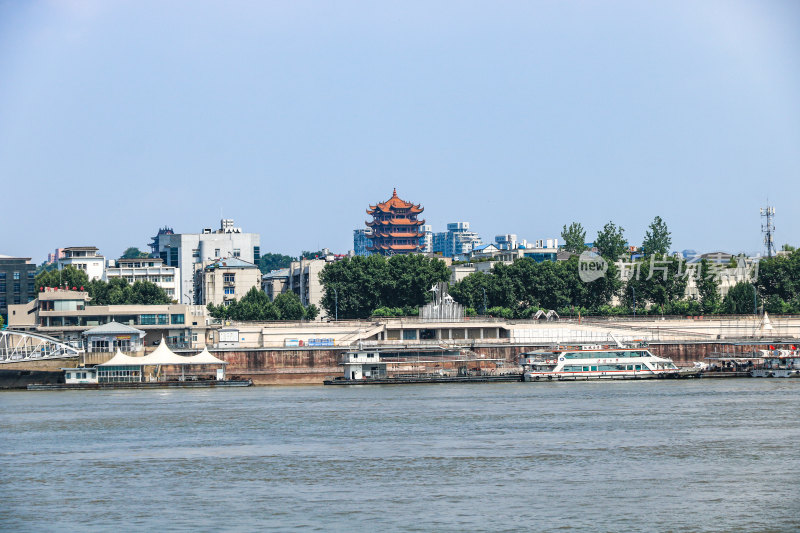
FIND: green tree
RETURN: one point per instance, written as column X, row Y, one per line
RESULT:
column 657, row 239
column 659, row 281
column 610, row 242
column 133, row 253
column 2, row 322
column 289, row 306
column 306, row 254
column 708, row 288
column 357, row 286
column 741, row 299
column 69, row 276
column 269, row 262
column 574, row 238
column 312, row 312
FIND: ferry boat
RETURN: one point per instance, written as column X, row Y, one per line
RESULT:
column 777, row 364
column 577, row 363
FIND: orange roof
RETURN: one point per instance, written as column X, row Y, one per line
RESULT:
column 396, row 234
column 396, row 222
column 395, row 203
column 398, row 247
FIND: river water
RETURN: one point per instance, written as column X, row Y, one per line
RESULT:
column 692, row 455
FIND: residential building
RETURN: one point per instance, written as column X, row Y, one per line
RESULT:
column 55, row 256
column 395, row 227
column 427, row 239
column 459, row 240
column 304, row 281
column 150, row 269
column 17, row 284
column 84, row 258
column 362, row 241
column 66, row 314
column 275, row 283
column 222, row 281
column 188, row 251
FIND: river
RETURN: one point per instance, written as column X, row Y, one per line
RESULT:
column 676, row 455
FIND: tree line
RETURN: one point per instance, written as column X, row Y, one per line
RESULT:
column 116, row 291
column 256, row 306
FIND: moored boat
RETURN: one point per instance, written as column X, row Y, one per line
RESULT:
column 577, row 363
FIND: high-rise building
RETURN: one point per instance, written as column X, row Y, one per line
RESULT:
column 188, row 251
column 84, row 258
column 427, row 239
column 395, row 227
column 458, row 240
column 16, row 282
column 361, row 241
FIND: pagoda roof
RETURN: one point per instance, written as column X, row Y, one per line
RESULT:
column 407, row 247
column 397, row 234
column 395, row 203
column 396, row 222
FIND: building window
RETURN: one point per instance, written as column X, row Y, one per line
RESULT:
column 216, row 252
column 196, row 252
column 16, row 299
column 229, row 278
column 2, row 275
column 2, row 286
column 3, row 301
column 31, row 287
column 256, row 253
column 173, row 256
column 16, row 287
column 16, row 275
column 177, row 319
column 237, row 252
column 229, row 291
column 31, row 274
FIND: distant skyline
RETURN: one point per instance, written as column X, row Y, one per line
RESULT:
column 117, row 118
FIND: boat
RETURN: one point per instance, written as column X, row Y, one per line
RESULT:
column 577, row 363
column 777, row 364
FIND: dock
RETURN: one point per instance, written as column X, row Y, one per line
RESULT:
column 198, row 384
column 501, row 378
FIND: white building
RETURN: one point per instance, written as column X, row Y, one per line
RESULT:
column 84, row 258
column 458, row 240
column 188, row 251
column 225, row 280
column 146, row 269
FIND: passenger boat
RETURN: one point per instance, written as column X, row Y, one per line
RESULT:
column 576, row 363
column 777, row 364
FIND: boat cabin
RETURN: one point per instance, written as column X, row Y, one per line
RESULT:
column 363, row 365
column 80, row 375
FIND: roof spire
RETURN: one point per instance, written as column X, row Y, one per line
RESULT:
column 394, row 192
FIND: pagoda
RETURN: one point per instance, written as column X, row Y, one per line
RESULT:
column 395, row 228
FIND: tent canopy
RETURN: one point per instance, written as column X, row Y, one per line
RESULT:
column 163, row 356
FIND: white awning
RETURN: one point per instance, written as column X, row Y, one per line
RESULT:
column 120, row 359
column 205, row 358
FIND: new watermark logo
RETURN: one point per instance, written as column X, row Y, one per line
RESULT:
column 591, row 266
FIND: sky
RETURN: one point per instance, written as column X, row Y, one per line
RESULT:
column 119, row 117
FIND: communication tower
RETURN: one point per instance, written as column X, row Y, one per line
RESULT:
column 768, row 228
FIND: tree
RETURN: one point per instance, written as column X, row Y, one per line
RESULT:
column 2, row 322
column 69, row 276
column 289, row 306
column 269, row 262
column 610, row 242
column 133, row 253
column 658, row 281
column 305, row 254
column 741, row 299
column 312, row 312
column 708, row 288
column 574, row 238
column 357, row 286
column 657, row 239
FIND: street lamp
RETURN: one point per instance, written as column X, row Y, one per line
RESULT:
column 633, row 290
column 336, row 297
column 755, row 304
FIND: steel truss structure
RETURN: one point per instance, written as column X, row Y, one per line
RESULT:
column 16, row 346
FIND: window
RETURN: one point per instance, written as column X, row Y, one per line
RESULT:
column 237, row 252
column 31, row 274
column 173, row 256
column 147, row 320
column 16, row 299
column 216, row 252
column 229, row 291
column 177, row 319
column 256, row 253
column 229, row 278
column 2, row 286
column 196, row 252
column 16, row 286
column 3, row 302
column 31, row 288
column 16, row 275
column 2, row 275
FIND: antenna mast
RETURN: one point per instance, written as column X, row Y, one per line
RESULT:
column 768, row 228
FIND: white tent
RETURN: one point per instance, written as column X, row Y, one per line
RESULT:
column 120, row 359
column 205, row 358
column 164, row 356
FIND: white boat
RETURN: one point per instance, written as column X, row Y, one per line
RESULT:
column 576, row 363
column 777, row 364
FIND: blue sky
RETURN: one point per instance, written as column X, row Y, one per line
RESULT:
column 291, row 117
